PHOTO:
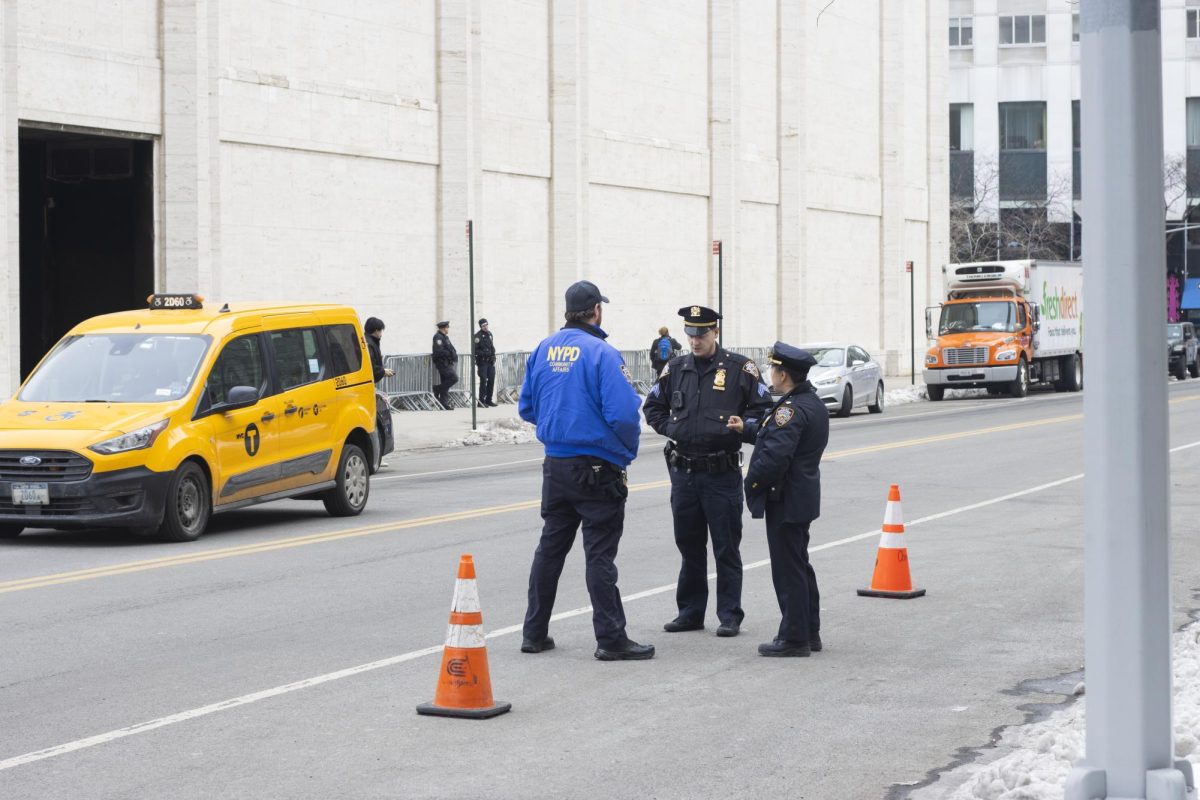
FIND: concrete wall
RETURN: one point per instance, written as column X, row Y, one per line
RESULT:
column 320, row 150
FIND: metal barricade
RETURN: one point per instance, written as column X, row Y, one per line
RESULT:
column 510, row 374
column 411, row 388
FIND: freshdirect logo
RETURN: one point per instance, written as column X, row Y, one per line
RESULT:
column 1057, row 304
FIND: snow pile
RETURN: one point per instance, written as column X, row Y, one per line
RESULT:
column 509, row 430
column 904, row 396
column 1042, row 754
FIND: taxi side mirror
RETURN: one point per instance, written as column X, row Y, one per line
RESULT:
column 239, row 397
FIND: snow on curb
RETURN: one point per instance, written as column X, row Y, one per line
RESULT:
column 1039, row 756
column 510, row 430
column 917, row 394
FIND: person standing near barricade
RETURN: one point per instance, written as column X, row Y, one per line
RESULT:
column 485, row 363
column 580, row 394
column 691, row 403
column 783, row 483
column 662, row 350
column 373, row 327
column 445, row 360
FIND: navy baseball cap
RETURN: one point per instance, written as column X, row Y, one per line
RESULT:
column 582, row 295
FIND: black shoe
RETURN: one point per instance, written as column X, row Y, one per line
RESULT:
column 530, row 646
column 630, row 651
column 680, row 624
column 728, row 628
column 782, row 647
column 814, row 644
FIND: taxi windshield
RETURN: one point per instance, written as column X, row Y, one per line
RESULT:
column 995, row 315
column 117, row 368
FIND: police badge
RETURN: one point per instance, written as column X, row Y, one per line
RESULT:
column 783, row 415
column 719, row 380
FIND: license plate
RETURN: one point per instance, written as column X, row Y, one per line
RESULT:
column 30, row 494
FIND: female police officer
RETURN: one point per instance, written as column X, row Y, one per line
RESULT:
column 784, row 483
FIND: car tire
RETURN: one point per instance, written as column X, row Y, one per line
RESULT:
column 10, row 531
column 935, row 393
column 847, row 403
column 1073, row 373
column 1179, row 370
column 349, row 497
column 1194, row 369
column 1020, row 384
column 189, row 505
column 878, row 407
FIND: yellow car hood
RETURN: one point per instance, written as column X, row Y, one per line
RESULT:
column 51, row 425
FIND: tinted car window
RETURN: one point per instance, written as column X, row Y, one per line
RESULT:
column 297, row 356
column 345, row 351
column 240, row 364
column 858, row 354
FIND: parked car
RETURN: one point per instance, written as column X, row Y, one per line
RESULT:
column 1181, row 350
column 846, row 377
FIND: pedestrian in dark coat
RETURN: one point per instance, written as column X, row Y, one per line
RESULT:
column 485, row 363
column 445, row 361
column 373, row 328
column 662, row 350
column 783, row 483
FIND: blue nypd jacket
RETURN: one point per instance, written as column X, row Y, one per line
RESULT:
column 578, row 393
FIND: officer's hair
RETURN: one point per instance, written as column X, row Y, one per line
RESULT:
column 580, row 316
column 796, row 376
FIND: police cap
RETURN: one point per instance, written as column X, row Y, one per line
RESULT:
column 583, row 296
column 444, row 323
column 698, row 320
column 792, row 358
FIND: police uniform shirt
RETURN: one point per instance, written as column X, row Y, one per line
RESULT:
column 443, row 351
column 693, row 399
column 485, row 350
column 786, row 464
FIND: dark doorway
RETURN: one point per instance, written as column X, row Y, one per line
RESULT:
column 87, row 232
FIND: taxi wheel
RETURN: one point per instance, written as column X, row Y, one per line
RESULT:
column 349, row 497
column 188, row 507
column 10, row 531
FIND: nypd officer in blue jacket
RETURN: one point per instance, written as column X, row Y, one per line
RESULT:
column 691, row 403
column 580, row 395
column 783, row 483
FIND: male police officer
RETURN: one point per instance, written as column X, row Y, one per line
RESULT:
column 485, row 363
column 692, row 403
column 445, row 359
column 784, row 483
column 580, row 395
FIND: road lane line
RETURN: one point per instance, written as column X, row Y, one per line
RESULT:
column 456, row 469
column 55, row 579
column 265, row 694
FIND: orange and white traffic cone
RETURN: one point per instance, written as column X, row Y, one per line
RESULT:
column 891, row 578
column 464, row 687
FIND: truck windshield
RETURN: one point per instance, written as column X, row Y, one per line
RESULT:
column 987, row 315
column 1174, row 333
column 117, row 368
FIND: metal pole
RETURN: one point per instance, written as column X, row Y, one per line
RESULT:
column 912, row 323
column 721, row 290
column 471, row 278
column 1127, row 609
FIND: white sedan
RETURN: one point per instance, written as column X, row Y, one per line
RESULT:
column 846, row 377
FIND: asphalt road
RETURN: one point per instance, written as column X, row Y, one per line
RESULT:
column 282, row 655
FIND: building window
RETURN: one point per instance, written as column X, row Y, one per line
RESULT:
column 1075, row 27
column 1193, row 23
column 962, row 159
column 1076, row 169
column 1022, row 126
column 962, row 31
column 1193, row 147
column 1023, row 152
column 962, row 126
column 1023, row 29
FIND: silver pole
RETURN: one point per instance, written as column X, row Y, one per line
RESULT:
column 1127, row 608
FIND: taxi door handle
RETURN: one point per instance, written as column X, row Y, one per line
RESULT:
column 267, row 417
column 291, row 410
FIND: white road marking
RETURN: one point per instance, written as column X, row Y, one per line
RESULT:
column 254, row 697
column 456, row 469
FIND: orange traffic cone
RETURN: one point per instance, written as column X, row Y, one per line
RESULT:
column 891, row 578
column 464, row 687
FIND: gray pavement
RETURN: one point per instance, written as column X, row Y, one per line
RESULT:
column 283, row 594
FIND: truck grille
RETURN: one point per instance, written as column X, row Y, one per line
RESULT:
column 965, row 355
column 52, row 465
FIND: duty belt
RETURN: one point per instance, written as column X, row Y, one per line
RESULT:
column 705, row 462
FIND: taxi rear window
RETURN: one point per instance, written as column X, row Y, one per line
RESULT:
column 118, row 368
column 345, row 352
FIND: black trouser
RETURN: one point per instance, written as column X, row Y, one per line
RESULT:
column 487, row 382
column 566, row 502
column 704, row 503
column 442, row 391
column 793, row 576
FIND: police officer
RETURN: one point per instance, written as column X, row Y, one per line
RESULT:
column 580, row 395
column 445, row 360
column 784, row 483
column 485, row 363
column 691, row 403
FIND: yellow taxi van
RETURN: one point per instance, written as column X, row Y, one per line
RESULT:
column 156, row 419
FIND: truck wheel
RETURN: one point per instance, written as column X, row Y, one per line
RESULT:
column 189, row 505
column 878, row 407
column 10, row 531
column 847, row 403
column 1073, row 373
column 1179, row 370
column 349, row 497
column 1194, row 369
column 935, row 393
column 1020, row 384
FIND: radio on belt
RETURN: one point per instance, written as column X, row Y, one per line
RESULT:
column 182, row 302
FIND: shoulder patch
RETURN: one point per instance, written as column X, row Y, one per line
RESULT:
column 783, row 415
column 628, row 375
column 751, row 368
